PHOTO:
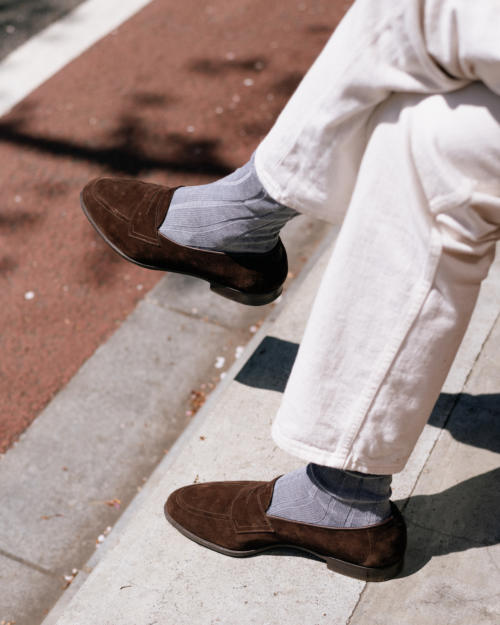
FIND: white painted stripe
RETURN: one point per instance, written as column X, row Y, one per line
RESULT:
column 30, row 65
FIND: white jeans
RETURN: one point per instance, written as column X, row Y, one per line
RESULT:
column 396, row 130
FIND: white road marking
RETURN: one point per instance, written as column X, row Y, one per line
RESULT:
column 30, row 65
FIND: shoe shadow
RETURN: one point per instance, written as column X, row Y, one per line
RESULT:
column 460, row 518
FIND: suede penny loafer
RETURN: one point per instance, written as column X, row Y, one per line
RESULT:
column 230, row 517
column 127, row 215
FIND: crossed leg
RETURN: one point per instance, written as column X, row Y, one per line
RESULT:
column 397, row 296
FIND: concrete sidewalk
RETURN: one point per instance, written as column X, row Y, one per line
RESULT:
column 449, row 493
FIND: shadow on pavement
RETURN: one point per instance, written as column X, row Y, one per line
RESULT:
column 270, row 365
column 215, row 67
column 125, row 154
column 476, row 418
column 459, row 518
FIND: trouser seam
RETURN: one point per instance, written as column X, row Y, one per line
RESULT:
column 387, row 360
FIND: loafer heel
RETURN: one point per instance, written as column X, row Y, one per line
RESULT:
column 250, row 299
column 364, row 573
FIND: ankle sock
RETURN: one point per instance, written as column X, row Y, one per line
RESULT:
column 321, row 495
column 234, row 214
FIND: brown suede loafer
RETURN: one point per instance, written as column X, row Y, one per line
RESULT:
column 127, row 215
column 230, row 517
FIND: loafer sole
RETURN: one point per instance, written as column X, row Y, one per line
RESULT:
column 356, row 571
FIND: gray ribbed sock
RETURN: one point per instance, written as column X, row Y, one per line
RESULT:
column 234, row 214
column 324, row 496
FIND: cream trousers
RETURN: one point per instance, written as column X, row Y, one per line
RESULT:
column 395, row 130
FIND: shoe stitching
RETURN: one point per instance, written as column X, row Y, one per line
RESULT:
column 200, row 513
column 143, row 215
column 101, row 201
column 261, row 526
column 160, row 212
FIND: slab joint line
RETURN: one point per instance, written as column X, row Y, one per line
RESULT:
column 24, row 562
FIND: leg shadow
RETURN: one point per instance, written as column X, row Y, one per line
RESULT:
column 270, row 365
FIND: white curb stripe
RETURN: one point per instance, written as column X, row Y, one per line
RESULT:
column 30, row 65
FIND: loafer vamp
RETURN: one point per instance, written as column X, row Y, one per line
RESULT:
column 227, row 514
column 119, row 196
column 127, row 214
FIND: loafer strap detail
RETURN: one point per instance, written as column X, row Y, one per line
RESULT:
column 149, row 216
column 248, row 513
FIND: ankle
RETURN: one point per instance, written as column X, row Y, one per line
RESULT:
column 326, row 496
column 234, row 214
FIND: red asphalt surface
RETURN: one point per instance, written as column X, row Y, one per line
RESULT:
column 161, row 98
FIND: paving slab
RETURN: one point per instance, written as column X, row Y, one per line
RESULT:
column 24, row 596
column 151, row 573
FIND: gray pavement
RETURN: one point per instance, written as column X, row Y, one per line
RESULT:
column 150, row 573
column 78, row 466
column 21, row 19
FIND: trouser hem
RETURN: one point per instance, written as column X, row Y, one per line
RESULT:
column 310, row 453
column 275, row 189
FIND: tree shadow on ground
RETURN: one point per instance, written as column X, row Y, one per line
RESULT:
column 132, row 147
column 216, row 67
column 126, row 154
